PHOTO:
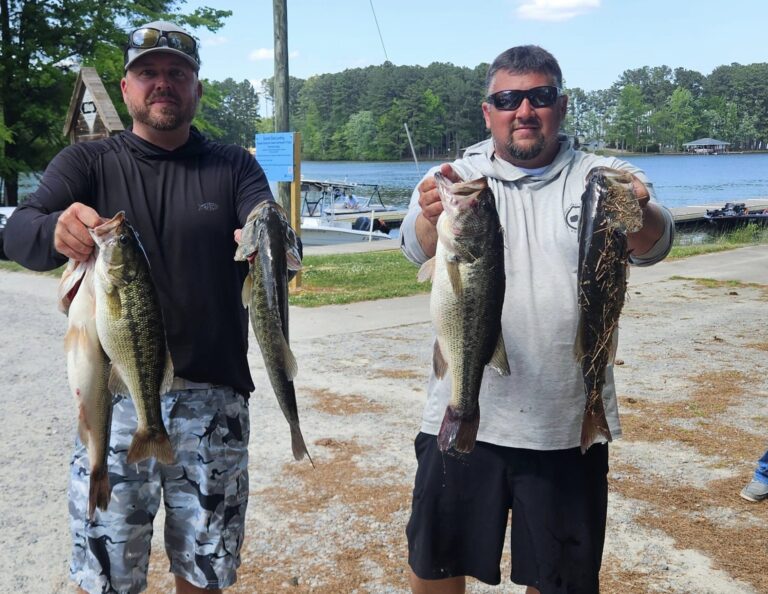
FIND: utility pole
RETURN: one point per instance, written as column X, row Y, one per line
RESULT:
column 280, row 105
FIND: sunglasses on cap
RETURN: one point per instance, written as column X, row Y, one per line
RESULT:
column 537, row 96
column 149, row 37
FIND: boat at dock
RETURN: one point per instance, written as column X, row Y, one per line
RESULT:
column 316, row 231
column 344, row 201
column 341, row 212
column 735, row 214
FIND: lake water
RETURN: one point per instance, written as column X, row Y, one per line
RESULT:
column 680, row 180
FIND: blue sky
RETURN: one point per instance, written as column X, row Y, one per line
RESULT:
column 594, row 40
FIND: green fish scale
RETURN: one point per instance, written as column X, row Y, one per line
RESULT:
column 137, row 344
column 470, row 321
column 603, row 277
column 269, row 308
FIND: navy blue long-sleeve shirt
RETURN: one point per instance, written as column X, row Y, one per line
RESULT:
column 185, row 205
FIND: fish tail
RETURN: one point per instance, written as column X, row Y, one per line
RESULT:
column 459, row 432
column 149, row 443
column 594, row 426
column 297, row 444
column 99, row 490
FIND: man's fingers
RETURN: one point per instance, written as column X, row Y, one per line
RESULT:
column 450, row 173
column 71, row 246
column 71, row 237
column 640, row 190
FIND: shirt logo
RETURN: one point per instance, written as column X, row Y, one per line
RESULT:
column 208, row 206
column 572, row 216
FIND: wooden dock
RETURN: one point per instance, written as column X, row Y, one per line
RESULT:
column 690, row 216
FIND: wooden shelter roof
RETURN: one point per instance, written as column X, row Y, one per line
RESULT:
column 91, row 113
column 706, row 142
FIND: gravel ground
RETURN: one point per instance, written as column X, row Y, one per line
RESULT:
column 693, row 396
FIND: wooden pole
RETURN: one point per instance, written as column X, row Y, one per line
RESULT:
column 280, row 107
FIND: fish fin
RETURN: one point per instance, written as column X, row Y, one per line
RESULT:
column 297, row 444
column 99, row 490
column 427, row 271
column 113, row 297
column 245, row 294
column 116, row 384
column 439, row 364
column 614, row 347
column 82, row 425
column 499, row 360
column 167, row 381
column 454, row 275
column 459, row 432
column 291, row 367
column 292, row 256
column 76, row 339
column 71, row 280
column 578, row 345
column 150, row 443
column 593, row 426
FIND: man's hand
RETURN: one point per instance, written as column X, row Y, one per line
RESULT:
column 429, row 196
column 71, row 237
column 431, row 207
column 641, row 192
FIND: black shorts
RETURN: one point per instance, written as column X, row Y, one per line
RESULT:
column 461, row 505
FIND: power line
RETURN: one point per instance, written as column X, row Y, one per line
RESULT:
column 379, row 30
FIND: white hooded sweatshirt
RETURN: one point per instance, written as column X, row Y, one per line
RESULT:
column 540, row 405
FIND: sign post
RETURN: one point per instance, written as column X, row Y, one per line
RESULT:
column 279, row 155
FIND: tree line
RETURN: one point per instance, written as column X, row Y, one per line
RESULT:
column 357, row 114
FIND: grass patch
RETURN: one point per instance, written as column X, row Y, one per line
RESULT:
column 347, row 278
column 750, row 234
column 13, row 267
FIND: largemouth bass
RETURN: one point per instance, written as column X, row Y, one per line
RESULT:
column 468, row 284
column 130, row 327
column 88, row 375
column 609, row 210
column 270, row 246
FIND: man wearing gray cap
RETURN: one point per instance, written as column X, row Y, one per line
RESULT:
column 185, row 196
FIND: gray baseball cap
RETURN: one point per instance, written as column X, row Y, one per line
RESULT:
column 161, row 36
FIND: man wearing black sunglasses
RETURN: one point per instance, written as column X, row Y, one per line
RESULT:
column 527, row 457
column 185, row 196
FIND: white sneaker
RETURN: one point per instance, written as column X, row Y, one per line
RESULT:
column 755, row 491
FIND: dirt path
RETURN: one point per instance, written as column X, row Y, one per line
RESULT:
column 694, row 402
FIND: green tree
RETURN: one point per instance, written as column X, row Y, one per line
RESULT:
column 392, row 140
column 629, row 128
column 236, row 112
column 682, row 111
column 360, row 136
column 41, row 44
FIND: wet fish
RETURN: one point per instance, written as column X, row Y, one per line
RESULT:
column 609, row 210
column 88, row 375
column 130, row 327
column 468, row 284
column 270, row 246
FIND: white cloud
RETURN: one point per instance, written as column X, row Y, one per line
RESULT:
column 261, row 54
column 554, row 10
column 214, row 41
column 267, row 54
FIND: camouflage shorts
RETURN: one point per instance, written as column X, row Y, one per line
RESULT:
column 205, row 494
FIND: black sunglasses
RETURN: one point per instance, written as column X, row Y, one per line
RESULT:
column 537, row 96
column 149, row 37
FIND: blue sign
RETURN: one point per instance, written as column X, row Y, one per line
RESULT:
column 274, row 152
